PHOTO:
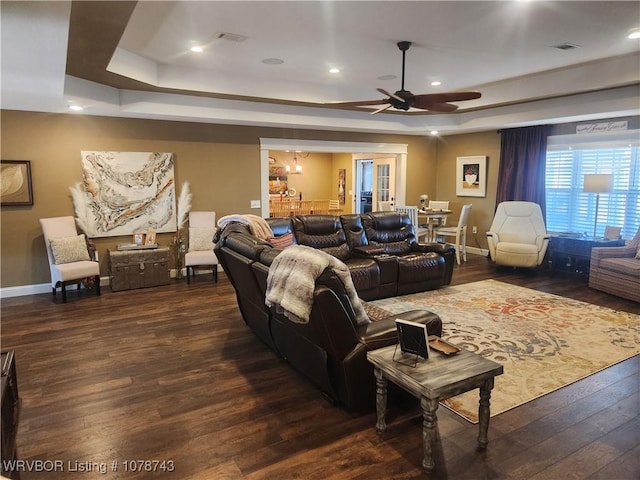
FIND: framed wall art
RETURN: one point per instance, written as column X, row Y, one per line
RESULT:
column 471, row 176
column 126, row 192
column 342, row 175
column 16, row 183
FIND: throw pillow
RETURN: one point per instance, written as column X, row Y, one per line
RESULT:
column 201, row 239
column 69, row 249
column 283, row 241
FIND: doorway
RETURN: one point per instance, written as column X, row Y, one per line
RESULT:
column 359, row 150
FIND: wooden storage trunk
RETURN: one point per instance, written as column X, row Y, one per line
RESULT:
column 129, row 269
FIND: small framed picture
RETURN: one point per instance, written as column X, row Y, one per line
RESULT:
column 413, row 337
column 150, row 237
column 138, row 238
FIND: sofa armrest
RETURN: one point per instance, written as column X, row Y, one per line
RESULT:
column 441, row 248
column 368, row 250
column 599, row 253
column 383, row 332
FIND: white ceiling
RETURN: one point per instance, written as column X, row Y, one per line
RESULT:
column 502, row 49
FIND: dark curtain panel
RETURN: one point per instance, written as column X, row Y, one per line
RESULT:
column 522, row 165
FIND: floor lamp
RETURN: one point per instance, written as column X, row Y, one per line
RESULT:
column 597, row 183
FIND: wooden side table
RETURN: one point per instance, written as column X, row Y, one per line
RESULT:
column 438, row 378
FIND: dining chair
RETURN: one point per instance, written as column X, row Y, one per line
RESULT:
column 459, row 232
column 202, row 228
column 68, row 255
column 412, row 212
column 385, row 206
column 439, row 205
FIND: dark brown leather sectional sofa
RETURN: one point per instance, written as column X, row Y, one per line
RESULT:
column 384, row 259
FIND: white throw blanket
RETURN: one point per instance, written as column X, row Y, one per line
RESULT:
column 292, row 277
column 257, row 225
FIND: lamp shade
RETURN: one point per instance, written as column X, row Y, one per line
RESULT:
column 598, row 182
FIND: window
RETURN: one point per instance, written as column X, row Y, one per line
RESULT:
column 569, row 158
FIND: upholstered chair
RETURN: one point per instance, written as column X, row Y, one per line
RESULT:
column 518, row 236
column 202, row 228
column 616, row 270
column 68, row 255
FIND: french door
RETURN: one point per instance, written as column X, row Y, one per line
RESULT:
column 383, row 182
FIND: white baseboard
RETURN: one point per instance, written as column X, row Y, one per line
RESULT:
column 19, row 291
column 478, row 251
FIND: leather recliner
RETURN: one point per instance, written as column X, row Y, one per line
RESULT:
column 419, row 266
column 518, row 235
column 325, row 232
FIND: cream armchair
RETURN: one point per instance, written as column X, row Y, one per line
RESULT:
column 518, row 236
column 69, row 260
column 202, row 227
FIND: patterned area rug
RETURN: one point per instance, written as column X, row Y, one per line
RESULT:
column 544, row 341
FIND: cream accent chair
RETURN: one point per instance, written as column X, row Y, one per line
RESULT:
column 412, row 212
column 68, row 254
column 202, row 227
column 518, row 236
column 459, row 232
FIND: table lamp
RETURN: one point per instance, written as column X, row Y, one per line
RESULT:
column 597, row 183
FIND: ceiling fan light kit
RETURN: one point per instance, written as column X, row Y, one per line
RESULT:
column 405, row 100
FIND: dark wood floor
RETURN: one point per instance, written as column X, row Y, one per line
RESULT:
column 172, row 374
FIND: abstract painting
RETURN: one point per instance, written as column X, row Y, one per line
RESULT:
column 126, row 192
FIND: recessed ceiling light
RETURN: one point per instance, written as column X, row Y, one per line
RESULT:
column 273, row 61
column 635, row 33
column 75, row 108
column 387, row 77
column 334, row 70
column 436, row 83
column 197, row 49
column 433, row 132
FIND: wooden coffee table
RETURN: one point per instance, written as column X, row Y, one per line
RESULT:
column 432, row 380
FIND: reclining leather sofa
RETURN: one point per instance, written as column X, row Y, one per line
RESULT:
column 331, row 348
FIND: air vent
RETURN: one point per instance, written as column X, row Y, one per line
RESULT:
column 232, row 37
column 565, row 46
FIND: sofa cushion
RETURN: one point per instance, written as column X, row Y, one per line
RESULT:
column 69, row 249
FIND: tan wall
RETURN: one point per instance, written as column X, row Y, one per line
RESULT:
column 221, row 163
column 472, row 144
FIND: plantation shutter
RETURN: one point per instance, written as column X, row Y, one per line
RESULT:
column 569, row 158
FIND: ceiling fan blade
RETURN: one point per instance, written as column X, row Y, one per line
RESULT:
column 436, row 107
column 448, row 97
column 391, row 95
column 381, row 109
column 362, row 103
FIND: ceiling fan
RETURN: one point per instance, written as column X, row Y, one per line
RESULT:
column 404, row 99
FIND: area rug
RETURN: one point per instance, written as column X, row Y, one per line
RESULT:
column 544, row 341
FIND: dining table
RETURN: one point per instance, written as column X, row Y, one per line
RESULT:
column 432, row 219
